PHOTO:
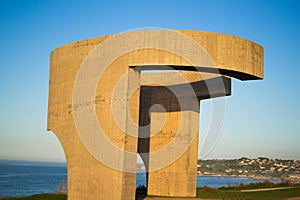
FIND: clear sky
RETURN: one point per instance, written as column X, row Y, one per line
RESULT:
column 262, row 117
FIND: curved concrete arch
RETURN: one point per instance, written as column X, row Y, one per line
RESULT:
column 233, row 56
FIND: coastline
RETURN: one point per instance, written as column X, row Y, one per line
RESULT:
column 242, row 176
column 265, row 178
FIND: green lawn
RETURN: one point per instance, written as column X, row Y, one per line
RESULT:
column 205, row 193
column 234, row 194
column 40, row 197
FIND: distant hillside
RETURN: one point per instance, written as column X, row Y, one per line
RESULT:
column 260, row 167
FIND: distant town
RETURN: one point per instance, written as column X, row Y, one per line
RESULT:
column 261, row 167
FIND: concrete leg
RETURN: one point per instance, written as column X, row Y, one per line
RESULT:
column 178, row 178
column 88, row 177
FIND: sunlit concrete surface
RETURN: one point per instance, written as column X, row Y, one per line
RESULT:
column 131, row 111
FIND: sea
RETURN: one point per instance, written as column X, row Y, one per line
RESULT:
column 25, row 178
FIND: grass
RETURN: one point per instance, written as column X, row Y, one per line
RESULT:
column 258, row 185
column 233, row 192
column 210, row 193
column 40, row 197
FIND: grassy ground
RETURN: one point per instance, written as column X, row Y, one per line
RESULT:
column 236, row 194
column 284, row 190
column 202, row 193
column 40, row 197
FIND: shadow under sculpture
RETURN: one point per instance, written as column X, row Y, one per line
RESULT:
column 138, row 116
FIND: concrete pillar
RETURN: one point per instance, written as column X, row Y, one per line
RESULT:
column 178, row 121
column 179, row 178
column 88, row 177
column 169, row 113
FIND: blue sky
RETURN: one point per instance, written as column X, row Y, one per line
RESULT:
column 262, row 117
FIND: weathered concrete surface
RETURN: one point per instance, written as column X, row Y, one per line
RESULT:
column 88, row 178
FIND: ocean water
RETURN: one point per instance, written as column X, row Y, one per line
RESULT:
column 24, row 178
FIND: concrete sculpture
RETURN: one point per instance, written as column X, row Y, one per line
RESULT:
column 105, row 106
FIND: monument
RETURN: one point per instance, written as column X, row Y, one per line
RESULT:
column 116, row 96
